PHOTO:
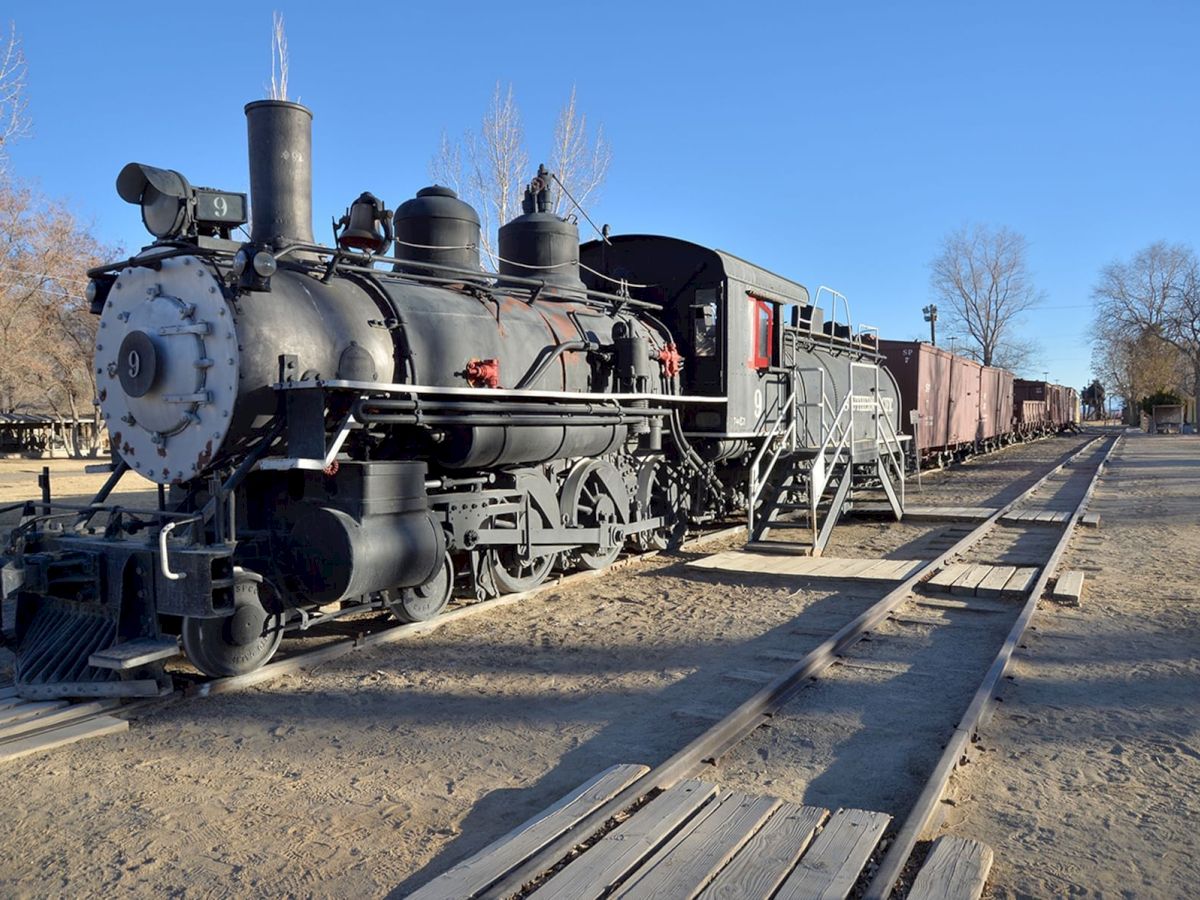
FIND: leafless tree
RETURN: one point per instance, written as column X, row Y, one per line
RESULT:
column 981, row 276
column 1152, row 299
column 14, row 117
column 486, row 168
column 490, row 167
column 579, row 162
column 279, row 59
column 46, row 329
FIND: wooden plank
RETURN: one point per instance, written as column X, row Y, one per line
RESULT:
column 1090, row 520
column 905, row 568
column 956, row 869
column 30, row 711
column 11, row 700
column 7, row 693
column 1049, row 517
column 882, row 569
column 1021, row 582
column 994, row 582
column 850, row 568
column 53, row 719
column 947, row 576
column 504, row 854
column 1069, row 588
column 685, row 867
column 831, row 866
column 767, row 857
column 965, row 585
column 59, row 737
column 616, row 854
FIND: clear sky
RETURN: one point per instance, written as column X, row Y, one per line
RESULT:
column 835, row 143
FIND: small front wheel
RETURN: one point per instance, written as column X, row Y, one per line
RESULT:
column 236, row 644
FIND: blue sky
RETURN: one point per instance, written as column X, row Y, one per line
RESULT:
column 833, row 143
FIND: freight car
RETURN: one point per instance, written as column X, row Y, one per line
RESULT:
column 962, row 408
column 333, row 430
column 1041, row 407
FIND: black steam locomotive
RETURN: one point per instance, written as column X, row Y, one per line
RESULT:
column 333, row 430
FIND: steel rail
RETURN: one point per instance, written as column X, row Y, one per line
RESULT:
column 746, row 718
column 928, row 803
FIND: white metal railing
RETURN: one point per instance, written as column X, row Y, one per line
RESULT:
column 781, row 437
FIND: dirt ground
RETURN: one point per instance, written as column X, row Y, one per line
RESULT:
column 373, row 773
column 1089, row 785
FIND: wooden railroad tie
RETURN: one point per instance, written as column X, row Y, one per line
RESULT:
column 956, row 869
column 1069, row 589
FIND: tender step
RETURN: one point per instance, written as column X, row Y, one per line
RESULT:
column 133, row 654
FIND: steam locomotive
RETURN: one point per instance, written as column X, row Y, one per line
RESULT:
column 333, row 430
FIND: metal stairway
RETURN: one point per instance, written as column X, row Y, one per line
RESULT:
column 805, row 472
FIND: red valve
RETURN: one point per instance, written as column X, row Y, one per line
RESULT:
column 483, row 373
column 670, row 360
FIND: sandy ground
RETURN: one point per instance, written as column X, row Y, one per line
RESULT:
column 1090, row 783
column 375, row 772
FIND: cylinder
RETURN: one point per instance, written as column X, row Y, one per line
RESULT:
column 335, row 556
column 279, row 135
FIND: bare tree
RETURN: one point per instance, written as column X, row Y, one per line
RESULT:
column 278, row 89
column 46, row 328
column 490, row 167
column 982, row 277
column 1153, row 299
column 579, row 162
column 14, row 118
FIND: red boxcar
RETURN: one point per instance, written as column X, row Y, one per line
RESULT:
column 995, row 405
column 961, row 405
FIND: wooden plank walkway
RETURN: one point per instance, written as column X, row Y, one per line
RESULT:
column 695, row 839
column 32, row 726
column 500, row 857
column 1035, row 517
column 744, row 561
column 976, row 580
column 929, row 513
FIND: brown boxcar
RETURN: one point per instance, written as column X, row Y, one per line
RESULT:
column 922, row 373
column 946, row 392
column 995, row 405
column 964, row 412
column 1042, row 407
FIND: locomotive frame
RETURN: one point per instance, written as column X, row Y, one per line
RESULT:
column 329, row 436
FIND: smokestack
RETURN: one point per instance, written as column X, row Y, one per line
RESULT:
column 280, row 140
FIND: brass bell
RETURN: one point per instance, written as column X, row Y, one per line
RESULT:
column 367, row 225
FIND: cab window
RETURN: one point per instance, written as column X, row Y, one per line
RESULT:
column 764, row 333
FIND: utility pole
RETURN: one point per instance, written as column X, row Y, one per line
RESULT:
column 931, row 317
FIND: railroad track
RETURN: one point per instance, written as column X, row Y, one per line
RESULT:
column 500, row 871
column 29, row 727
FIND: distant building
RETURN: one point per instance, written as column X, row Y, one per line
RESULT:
column 37, row 435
